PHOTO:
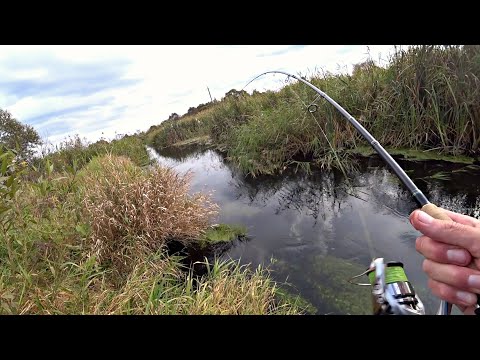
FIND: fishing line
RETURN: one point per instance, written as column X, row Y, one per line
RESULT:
column 417, row 194
column 311, row 109
column 366, row 233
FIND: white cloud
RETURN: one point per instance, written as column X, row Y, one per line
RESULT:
column 167, row 79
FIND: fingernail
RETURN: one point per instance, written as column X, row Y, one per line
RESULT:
column 424, row 217
column 466, row 297
column 474, row 281
column 457, row 255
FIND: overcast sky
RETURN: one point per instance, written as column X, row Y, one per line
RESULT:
column 99, row 90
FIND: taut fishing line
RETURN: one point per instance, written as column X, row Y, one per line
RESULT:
column 312, row 108
column 393, row 294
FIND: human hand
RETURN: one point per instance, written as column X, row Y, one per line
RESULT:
column 452, row 256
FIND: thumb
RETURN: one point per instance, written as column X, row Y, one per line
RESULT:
column 447, row 232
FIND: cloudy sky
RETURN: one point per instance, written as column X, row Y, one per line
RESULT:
column 101, row 91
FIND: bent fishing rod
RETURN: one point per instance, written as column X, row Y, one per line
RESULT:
column 382, row 277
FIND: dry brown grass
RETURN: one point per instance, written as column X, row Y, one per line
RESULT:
column 92, row 242
column 134, row 212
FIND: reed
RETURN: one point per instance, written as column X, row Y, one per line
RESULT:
column 427, row 98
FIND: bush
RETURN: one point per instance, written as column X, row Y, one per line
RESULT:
column 133, row 212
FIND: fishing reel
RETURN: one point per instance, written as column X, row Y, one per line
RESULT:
column 392, row 293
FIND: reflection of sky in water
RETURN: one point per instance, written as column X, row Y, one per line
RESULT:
column 294, row 218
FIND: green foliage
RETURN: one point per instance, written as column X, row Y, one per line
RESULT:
column 223, row 233
column 297, row 300
column 74, row 154
column 427, row 98
column 15, row 135
column 53, row 260
column 10, row 172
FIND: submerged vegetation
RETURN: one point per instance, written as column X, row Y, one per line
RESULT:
column 338, row 295
column 223, row 233
column 427, row 98
column 88, row 228
column 412, row 154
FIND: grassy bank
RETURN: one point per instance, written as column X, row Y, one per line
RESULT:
column 427, row 98
column 87, row 231
column 73, row 152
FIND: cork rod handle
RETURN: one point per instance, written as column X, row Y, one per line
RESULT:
column 435, row 212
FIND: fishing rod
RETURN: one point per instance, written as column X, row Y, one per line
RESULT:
column 382, row 275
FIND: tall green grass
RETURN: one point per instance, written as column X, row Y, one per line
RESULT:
column 73, row 152
column 427, row 98
column 93, row 240
column 175, row 131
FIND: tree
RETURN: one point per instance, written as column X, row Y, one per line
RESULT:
column 236, row 94
column 174, row 116
column 17, row 136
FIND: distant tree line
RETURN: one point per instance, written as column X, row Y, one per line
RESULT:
column 193, row 110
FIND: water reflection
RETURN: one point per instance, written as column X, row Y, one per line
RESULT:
column 306, row 221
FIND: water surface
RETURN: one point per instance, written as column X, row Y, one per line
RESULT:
column 315, row 231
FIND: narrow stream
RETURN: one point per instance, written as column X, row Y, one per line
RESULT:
column 315, row 231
